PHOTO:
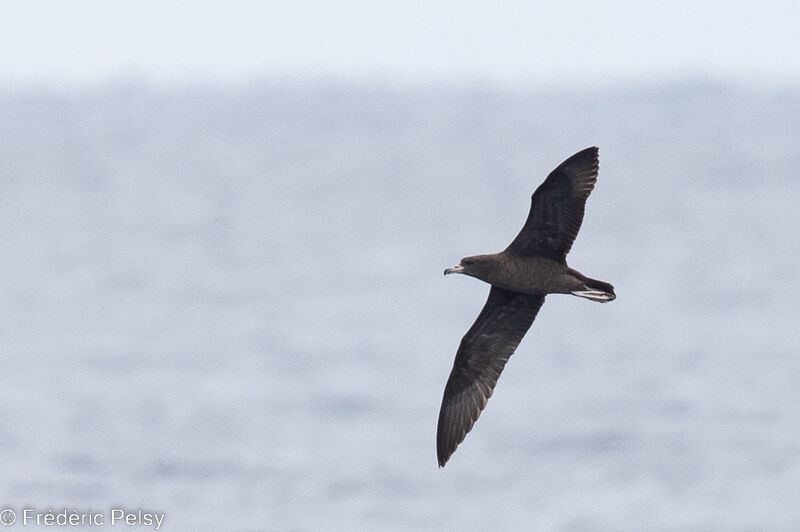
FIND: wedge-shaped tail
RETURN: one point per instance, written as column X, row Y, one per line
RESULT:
column 596, row 291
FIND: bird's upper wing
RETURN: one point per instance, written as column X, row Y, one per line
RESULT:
column 557, row 209
column 483, row 353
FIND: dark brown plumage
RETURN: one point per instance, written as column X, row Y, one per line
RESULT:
column 532, row 266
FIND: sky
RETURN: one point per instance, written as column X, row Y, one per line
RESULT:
column 89, row 41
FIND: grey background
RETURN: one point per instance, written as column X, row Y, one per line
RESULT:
column 507, row 42
column 229, row 306
column 221, row 291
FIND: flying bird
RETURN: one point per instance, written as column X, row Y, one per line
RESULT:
column 532, row 266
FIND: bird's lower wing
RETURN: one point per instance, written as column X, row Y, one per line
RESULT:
column 483, row 353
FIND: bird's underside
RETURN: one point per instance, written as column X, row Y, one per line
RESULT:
column 553, row 222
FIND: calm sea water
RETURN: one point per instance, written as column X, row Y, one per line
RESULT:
column 227, row 305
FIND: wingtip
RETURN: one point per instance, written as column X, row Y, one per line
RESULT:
column 593, row 150
column 591, row 153
column 584, row 165
column 443, row 454
column 443, row 460
column 445, row 445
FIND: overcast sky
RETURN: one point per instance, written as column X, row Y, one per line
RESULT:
column 79, row 41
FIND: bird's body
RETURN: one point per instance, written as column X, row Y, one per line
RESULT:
column 528, row 275
column 532, row 266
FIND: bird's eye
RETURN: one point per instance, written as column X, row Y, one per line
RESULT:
column 467, row 262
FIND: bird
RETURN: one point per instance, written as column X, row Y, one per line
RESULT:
column 531, row 267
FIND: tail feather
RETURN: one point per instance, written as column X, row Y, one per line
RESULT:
column 596, row 291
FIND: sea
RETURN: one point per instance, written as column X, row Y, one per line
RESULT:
column 224, row 304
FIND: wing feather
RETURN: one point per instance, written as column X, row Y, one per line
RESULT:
column 480, row 359
column 557, row 208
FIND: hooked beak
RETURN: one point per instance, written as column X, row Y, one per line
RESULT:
column 456, row 269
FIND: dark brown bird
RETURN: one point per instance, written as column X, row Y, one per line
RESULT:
column 531, row 267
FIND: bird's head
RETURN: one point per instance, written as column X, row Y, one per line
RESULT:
column 473, row 266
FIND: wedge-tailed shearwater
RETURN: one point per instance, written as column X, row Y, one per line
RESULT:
column 532, row 266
